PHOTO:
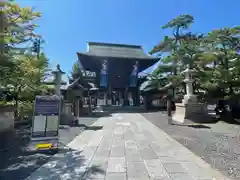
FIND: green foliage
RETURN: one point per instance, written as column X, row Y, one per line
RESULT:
column 26, row 108
column 21, row 73
column 214, row 56
column 17, row 29
column 28, row 76
column 177, row 25
column 180, row 22
column 166, row 45
column 75, row 73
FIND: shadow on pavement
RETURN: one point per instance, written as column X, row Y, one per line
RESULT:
column 213, row 119
column 97, row 114
column 69, row 165
column 197, row 126
column 17, row 162
column 94, row 128
column 231, row 121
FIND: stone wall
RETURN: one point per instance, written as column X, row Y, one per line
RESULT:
column 6, row 118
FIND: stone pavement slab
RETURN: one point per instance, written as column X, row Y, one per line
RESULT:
column 126, row 147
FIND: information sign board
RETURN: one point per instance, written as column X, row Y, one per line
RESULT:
column 47, row 106
column 46, row 117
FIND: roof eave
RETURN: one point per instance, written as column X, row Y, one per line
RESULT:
column 93, row 55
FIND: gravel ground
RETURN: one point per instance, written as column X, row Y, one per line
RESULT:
column 17, row 163
column 218, row 144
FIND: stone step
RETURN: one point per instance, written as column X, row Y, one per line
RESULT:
column 123, row 108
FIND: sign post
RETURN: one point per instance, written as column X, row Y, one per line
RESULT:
column 46, row 122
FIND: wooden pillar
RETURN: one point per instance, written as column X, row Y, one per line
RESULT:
column 74, row 107
column 90, row 104
column 77, row 107
column 109, row 97
column 125, row 97
column 121, row 98
column 145, row 102
column 105, row 98
column 137, row 97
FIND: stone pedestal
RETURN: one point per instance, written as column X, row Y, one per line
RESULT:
column 109, row 102
column 67, row 108
column 195, row 111
column 189, row 99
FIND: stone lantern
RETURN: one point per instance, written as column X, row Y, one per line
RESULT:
column 57, row 73
column 190, row 108
column 189, row 97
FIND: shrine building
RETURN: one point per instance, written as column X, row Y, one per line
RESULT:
column 116, row 67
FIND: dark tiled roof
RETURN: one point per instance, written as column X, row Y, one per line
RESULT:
column 81, row 84
column 116, row 51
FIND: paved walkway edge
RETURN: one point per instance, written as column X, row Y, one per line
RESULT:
column 199, row 161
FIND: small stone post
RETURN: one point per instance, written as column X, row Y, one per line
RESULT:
column 169, row 110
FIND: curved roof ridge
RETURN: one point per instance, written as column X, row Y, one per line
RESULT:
column 115, row 45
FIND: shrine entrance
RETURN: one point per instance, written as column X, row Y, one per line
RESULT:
column 116, row 67
column 118, row 98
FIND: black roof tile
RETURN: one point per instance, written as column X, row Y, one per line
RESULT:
column 116, row 51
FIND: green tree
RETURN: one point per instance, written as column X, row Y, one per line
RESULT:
column 28, row 76
column 175, row 47
column 17, row 29
column 222, row 68
column 214, row 56
column 171, row 44
column 75, row 72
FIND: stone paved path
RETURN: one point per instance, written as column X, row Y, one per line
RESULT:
column 217, row 143
column 128, row 147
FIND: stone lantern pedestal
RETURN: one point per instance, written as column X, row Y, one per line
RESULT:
column 190, row 108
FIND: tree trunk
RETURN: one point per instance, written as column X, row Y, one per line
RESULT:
column 175, row 61
column 231, row 89
column 16, row 106
column 17, row 101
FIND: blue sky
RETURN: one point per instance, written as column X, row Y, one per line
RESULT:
column 67, row 25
